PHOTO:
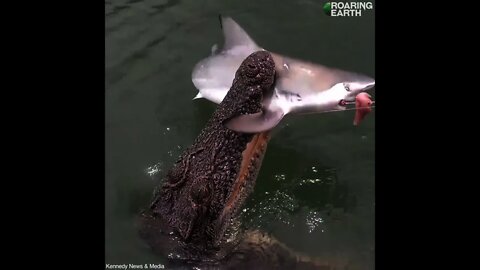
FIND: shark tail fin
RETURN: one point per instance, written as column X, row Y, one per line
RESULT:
column 214, row 49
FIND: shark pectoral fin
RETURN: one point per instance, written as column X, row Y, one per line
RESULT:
column 199, row 95
column 256, row 122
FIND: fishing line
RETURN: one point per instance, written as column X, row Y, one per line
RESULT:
column 349, row 109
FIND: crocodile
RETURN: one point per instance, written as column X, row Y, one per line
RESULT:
column 193, row 219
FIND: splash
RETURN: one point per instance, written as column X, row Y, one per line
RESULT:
column 314, row 221
column 155, row 169
column 277, row 206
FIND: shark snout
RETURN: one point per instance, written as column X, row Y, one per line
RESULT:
column 362, row 85
column 358, row 86
column 368, row 85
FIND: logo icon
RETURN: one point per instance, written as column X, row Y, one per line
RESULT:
column 327, row 8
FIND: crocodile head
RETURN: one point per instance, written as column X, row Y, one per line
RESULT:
column 205, row 189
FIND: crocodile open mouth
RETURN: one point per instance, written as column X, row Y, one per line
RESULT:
column 252, row 158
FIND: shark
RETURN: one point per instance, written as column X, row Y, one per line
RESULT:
column 301, row 87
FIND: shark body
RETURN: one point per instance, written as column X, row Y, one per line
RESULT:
column 301, row 87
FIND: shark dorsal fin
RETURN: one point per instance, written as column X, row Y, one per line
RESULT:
column 235, row 36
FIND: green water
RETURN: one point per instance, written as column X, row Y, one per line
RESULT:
column 315, row 191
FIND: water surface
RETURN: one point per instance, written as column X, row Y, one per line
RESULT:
column 315, row 191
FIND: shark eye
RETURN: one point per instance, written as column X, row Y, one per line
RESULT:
column 346, row 87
